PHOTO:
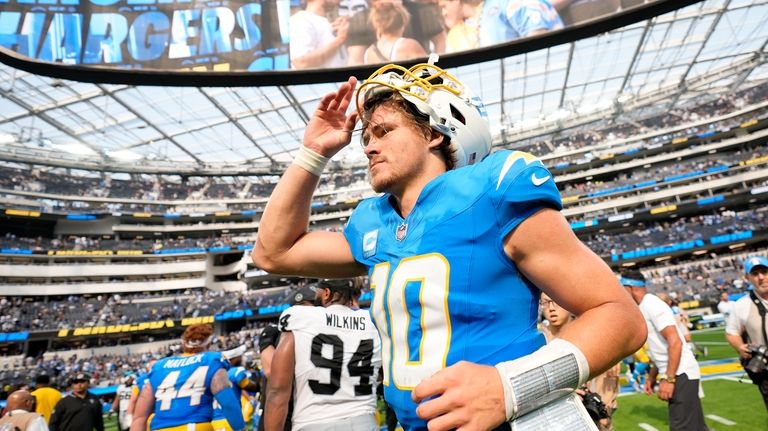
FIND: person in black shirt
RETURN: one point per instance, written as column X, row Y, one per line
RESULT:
column 78, row 411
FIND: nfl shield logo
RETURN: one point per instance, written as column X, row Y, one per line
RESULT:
column 402, row 230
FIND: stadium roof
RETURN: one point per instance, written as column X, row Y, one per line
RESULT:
column 712, row 47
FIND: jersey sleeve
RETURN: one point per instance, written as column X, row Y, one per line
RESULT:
column 661, row 316
column 520, row 186
column 238, row 376
column 362, row 231
column 733, row 323
column 295, row 318
column 215, row 362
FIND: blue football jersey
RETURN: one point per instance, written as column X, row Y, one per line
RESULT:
column 182, row 387
column 444, row 289
column 239, row 376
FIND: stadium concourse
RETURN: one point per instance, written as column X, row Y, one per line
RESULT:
column 123, row 222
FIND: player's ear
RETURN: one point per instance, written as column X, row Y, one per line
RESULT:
column 435, row 139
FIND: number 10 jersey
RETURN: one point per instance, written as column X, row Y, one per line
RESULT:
column 444, row 289
column 338, row 357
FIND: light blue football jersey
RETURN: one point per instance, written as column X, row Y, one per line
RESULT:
column 444, row 289
column 504, row 20
column 238, row 376
column 182, row 387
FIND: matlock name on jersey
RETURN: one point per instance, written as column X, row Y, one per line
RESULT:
column 182, row 362
column 356, row 323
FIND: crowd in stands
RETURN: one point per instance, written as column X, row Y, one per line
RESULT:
column 11, row 241
column 675, row 231
column 669, row 118
column 49, row 313
column 149, row 188
column 703, row 279
column 661, row 171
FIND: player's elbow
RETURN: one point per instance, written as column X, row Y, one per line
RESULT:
column 266, row 259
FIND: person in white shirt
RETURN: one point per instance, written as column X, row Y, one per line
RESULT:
column 317, row 41
column 725, row 305
column 678, row 371
column 329, row 357
column 19, row 414
column 746, row 327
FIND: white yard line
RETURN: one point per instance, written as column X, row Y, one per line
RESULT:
column 647, row 427
column 743, row 379
column 722, row 420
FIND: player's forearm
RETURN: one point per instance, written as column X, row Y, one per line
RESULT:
column 275, row 412
column 285, row 218
column 735, row 341
column 606, row 334
column 674, row 351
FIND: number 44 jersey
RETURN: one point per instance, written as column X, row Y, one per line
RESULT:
column 182, row 389
column 338, row 356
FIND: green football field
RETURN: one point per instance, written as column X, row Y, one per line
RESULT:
column 728, row 405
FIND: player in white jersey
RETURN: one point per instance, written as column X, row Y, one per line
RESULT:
column 120, row 405
column 331, row 356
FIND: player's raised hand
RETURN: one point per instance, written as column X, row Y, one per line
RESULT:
column 464, row 396
column 330, row 128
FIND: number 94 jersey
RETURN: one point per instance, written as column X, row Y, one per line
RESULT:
column 338, row 356
column 182, row 389
column 444, row 289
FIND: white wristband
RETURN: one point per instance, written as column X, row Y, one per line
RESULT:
column 549, row 373
column 310, row 161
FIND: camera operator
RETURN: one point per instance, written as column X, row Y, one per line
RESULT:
column 745, row 328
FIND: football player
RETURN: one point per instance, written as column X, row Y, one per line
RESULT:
column 458, row 246
column 120, row 405
column 330, row 356
column 241, row 381
column 180, row 389
column 268, row 341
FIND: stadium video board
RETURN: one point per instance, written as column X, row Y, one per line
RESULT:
column 272, row 42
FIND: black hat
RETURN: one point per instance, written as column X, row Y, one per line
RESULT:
column 344, row 284
column 302, row 294
column 79, row 377
column 43, row 379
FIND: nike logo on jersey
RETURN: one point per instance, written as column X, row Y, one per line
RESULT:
column 538, row 181
column 511, row 159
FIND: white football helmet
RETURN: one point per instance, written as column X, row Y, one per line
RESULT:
column 452, row 109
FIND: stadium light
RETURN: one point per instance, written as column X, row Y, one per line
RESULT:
column 75, row 148
column 125, row 155
column 6, row 138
